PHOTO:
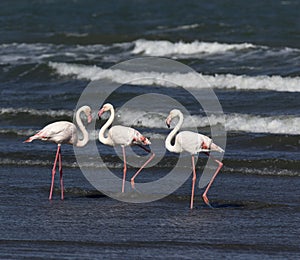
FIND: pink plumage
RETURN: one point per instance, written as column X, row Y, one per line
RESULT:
column 57, row 132
column 193, row 143
column 123, row 136
column 63, row 132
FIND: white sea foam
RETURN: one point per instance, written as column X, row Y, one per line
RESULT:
column 258, row 124
column 262, row 171
column 187, row 26
column 198, row 49
column 166, row 48
column 23, row 53
column 178, row 28
column 18, row 132
column 69, row 164
column 283, row 124
column 243, row 82
column 35, row 112
column 187, row 80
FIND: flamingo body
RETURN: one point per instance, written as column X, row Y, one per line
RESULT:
column 63, row 132
column 193, row 143
column 123, row 136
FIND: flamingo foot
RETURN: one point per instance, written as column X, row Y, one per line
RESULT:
column 206, row 201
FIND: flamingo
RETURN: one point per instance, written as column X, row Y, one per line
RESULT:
column 192, row 143
column 123, row 136
column 63, row 132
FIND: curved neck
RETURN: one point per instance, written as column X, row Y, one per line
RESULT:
column 102, row 138
column 169, row 146
column 80, row 125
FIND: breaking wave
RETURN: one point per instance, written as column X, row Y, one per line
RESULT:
column 234, row 122
column 35, row 112
column 25, row 53
column 166, row 48
column 187, row 80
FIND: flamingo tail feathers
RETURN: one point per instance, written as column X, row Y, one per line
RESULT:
column 140, row 139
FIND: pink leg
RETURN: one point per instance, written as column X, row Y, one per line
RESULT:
column 211, row 181
column 53, row 171
column 193, row 181
column 61, row 175
column 124, row 169
column 143, row 166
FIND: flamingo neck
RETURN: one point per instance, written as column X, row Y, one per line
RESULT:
column 102, row 138
column 174, row 148
column 85, row 139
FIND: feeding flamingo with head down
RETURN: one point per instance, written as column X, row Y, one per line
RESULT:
column 123, row 136
column 192, row 143
column 63, row 132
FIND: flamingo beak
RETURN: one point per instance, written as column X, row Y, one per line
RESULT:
column 168, row 121
column 101, row 111
column 90, row 118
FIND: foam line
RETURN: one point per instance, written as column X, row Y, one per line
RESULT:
column 187, row 80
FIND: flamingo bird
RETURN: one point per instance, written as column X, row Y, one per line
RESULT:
column 192, row 143
column 63, row 132
column 123, row 136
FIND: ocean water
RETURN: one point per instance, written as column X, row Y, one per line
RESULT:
column 249, row 53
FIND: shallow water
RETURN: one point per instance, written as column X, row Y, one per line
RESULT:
column 247, row 220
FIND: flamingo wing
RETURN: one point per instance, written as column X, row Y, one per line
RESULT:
column 192, row 142
column 58, row 132
column 121, row 135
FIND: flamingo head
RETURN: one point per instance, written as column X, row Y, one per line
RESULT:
column 173, row 113
column 140, row 139
column 88, row 112
column 146, row 141
column 105, row 107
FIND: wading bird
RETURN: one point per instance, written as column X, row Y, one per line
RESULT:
column 63, row 132
column 123, row 136
column 193, row 143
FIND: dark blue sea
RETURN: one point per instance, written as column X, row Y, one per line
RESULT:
column 248, row 52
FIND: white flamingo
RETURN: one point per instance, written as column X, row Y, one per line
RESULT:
column 123, row 136
column 192, row 143
column 63, row 132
